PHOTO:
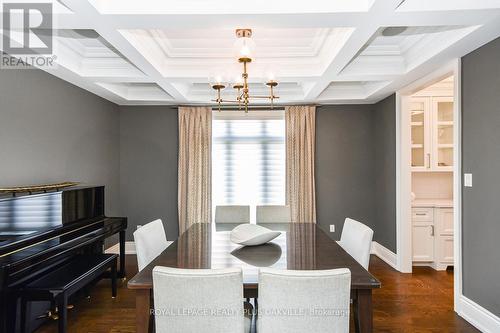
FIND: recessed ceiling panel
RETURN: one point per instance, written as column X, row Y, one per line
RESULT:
column 396, row 50
column 86, row 53
column 195, row 53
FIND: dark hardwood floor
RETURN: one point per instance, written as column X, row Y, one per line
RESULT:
column 418, row 302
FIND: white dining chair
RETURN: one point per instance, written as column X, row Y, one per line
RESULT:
column 214, row 297
column 325, row 291
column 150, row 240
column 232, row 214
column 273, row 214
column 356, row 239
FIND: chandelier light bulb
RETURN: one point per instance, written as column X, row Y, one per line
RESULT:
column 271, row 76
column 217, row 78
column 245, row 48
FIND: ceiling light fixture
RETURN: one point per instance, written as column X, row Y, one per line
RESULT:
column 244, row 47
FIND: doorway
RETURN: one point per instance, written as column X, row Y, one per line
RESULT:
column 428, row 173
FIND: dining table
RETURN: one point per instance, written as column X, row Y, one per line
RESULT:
column 300, row 246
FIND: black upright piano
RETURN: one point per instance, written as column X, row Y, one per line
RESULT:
column 42, row 231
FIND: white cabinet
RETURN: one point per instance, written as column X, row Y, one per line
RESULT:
column 432, row 237
column 420, row 115
column 431, row 133
column 423, row 242
column 444, row 240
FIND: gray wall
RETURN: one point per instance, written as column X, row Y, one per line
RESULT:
column 356, row 168
column 344, row 165
column 481, row 157
column 148, row 166
column 384, row 163
column 52, row 131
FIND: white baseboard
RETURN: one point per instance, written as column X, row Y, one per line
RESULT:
column 482, row 319
column 385, row 254
column 129, row 248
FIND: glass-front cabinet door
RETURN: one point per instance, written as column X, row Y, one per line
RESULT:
column 442, row 133
column 420, row 120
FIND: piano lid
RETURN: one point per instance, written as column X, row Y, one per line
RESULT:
column 29, row 214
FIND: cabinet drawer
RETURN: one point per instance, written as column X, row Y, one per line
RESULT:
column 422, row 214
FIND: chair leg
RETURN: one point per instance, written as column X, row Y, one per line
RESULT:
column 355, row 312
column 152, row 324
column 62, row 306
column 113, row 280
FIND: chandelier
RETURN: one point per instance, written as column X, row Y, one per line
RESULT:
column 244, row 46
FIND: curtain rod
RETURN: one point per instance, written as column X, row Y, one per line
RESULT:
column 235, row 107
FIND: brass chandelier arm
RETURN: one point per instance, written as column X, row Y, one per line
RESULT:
column 224, row 101
column 257, row 96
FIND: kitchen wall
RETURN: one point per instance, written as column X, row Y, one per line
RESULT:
column 481, row 157
column 148, row 166
column 53, row 131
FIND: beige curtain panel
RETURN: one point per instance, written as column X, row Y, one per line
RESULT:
column 300, row 146
column 195, row 166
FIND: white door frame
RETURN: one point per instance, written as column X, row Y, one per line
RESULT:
column 403, row 172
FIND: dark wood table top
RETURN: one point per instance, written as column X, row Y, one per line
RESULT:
column 301, row 246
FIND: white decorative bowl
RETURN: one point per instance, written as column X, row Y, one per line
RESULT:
column 252, row 234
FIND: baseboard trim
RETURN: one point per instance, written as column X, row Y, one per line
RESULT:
column 115, row 249
column 385, row 254
column 482, row 319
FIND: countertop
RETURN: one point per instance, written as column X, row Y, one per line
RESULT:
column 435, row 203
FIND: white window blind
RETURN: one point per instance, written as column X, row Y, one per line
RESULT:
column 248, row 159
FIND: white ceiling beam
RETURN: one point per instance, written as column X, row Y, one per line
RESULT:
column 354, row 44
column 322, row 20
column 439, row 18
column 104, row 28
column 190, row 21
column 73, row 78
column 133, row 55
column 458, row 49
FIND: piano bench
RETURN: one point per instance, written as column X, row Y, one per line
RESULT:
column 58, row 285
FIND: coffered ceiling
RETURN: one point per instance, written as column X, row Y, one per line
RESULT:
column 331, row 52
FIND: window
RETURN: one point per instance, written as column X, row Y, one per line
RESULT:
column 248, row 159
